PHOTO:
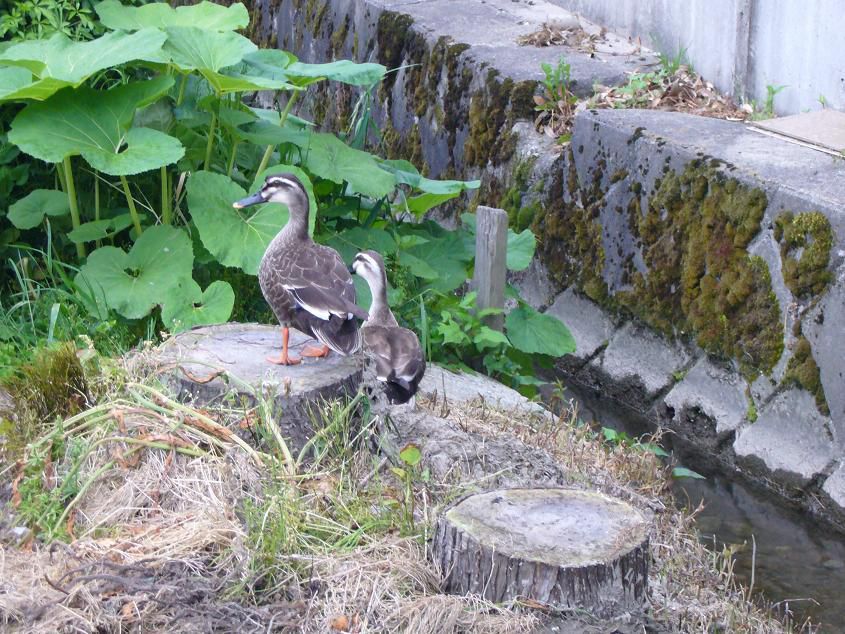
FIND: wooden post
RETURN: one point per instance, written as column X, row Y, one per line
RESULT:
column 491, row 245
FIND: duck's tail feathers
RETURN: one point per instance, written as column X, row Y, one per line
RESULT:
column 340, row 335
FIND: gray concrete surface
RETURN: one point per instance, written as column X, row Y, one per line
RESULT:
column 716, row 392
column 790, row 438
column 742, row 46
column 591, row 327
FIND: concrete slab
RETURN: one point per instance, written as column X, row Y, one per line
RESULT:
column 825, row 128
column 492, row 27
column 714, row 391
column 790, row 439
column 637, row 354
column 834, row 486
column 591, row 327
column 824, row 327
column 463, row 387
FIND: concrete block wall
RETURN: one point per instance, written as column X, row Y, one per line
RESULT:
column 742, row 45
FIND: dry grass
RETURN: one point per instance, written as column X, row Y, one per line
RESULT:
column 174, row 523
column 692, row 588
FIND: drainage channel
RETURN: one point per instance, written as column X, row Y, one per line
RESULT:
column 797, row 565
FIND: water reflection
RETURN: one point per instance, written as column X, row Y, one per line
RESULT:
column 797, row 563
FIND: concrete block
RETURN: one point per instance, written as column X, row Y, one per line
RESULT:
column 790, row 439
column 591, row 327
column 718, row 393
column 636, row 354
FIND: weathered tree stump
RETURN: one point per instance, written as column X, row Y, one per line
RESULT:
column 564, row 547
column 212, row 363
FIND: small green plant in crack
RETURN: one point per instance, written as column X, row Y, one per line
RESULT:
column 556, row 106
column 768, row 109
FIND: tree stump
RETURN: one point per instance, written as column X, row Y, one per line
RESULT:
column 564, row 547
column 205, row 363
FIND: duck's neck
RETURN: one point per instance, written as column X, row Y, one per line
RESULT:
column 297, row 225
column 380, row 313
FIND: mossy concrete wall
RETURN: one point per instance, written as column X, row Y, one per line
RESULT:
column 730, row 246
column 458, row 82
column 699, row 265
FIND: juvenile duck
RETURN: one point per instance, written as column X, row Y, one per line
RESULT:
column 399, row 360
column 306, row 284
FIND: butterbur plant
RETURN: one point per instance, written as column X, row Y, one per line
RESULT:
column 151, row 133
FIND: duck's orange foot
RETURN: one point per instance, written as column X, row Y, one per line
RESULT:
column 311, row 351
column 284, row 359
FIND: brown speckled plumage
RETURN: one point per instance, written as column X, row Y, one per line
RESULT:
column 395, row 351
column 307, row 285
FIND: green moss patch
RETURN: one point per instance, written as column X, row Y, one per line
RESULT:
column 569, row 237
column 805, row 243
column 701, row 278
column 521, row 216
column 803, row 371
column 700, row 282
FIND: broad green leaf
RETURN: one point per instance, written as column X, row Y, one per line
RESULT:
column 94, row 124
column 406, row 174
column 236, row 237
column 281, row 65
column 150, row 274
column 328, row 157
column 363, row 294
column 192, row 48
column 534, row 332
column 343, row 70
column 418, row 267
column 419, row 205
column 59, row 62
column 158, row 116
column 99, row 229
column 520, row 249
column 208, row 52
column 410, row 454
column 489, row 338
column 352, row 241
column 683, row 472
column 205, row 15
column 447, row 255
column 12, row 79
column 193, row 307
column 29, row 211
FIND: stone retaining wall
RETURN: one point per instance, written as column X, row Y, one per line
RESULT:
column 700, row 265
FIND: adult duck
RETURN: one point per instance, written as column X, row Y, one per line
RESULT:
column 396, row 351
column 306, row 284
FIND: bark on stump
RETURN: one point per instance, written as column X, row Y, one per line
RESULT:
column 563, row 547
column 204, row 362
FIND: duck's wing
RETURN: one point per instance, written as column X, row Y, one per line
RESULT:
column 320, row 282
column 397, row 354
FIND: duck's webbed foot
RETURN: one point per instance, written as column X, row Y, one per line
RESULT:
column 315, row 352
column 285, row 358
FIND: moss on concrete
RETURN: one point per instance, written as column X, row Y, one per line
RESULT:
column 521, row 215
column 701, row 278
column 805, row 243
column 338, row 38
column 492, row 112
column 803, row 371
column 700, row 281
column 569, row 236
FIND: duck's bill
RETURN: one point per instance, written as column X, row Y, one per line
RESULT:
column 255, row 199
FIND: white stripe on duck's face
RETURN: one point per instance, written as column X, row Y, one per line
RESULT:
column 281, row 189
column 367, row 267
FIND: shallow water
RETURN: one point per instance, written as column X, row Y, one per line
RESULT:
column 798, row 564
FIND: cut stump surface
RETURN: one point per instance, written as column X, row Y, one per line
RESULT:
column 205, row 363
column 564, row 547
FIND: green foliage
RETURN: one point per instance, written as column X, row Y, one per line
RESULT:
column 768, row 109
column 158, row 98
column 152, row 272
column 36, row 19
